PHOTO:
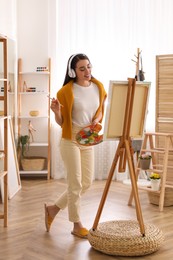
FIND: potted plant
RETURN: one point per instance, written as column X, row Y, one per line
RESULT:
column 23, row 142
column 145, row 159
column 155, row 181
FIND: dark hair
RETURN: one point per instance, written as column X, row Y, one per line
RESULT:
column 75, row 59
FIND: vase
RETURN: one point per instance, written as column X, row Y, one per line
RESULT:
column 145, row 164
column 155, row 184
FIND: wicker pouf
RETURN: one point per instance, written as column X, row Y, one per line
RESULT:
column 123, row 238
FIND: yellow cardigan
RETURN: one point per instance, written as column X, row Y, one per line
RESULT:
column 65, row 97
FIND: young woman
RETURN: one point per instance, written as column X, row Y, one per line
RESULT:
column 80, row 102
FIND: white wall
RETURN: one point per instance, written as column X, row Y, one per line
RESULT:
column 32, row 23
column 8, row 18
column 36, row 33
column 32, row 33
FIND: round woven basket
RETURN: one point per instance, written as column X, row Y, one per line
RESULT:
column 123, row 238
column 33, row 163
column 168, row 199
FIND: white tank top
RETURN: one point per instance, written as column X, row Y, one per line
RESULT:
column 86, row 103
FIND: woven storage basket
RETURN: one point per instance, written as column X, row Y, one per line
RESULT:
column 33, row 163
column 168, row 199
column 123, row 238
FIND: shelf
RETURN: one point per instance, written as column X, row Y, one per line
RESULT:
column 150, row 170
column 35, row 73
column 164, row 120
column 33, row 117
column 169, row 186
column 39, row 144
column 161, row 151
column 34, row 93
column 148, row 189
column 34, row 172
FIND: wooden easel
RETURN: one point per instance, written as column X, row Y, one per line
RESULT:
column 124, row 153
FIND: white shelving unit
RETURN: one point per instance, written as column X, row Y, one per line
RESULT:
column 32, row 96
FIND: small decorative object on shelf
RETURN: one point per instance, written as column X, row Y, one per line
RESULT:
column 42, row 69
column 155, row 181
column 34, row 113
column 31, row 89
column 145, row 160
column 31, row 129
column 9, row 86
column 25, row 86
column 26, row 89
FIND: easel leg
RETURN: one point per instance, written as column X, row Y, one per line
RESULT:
column 106, row 189
column 134, row 187
column 144, row 144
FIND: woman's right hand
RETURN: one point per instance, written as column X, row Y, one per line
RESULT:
column 55, row 106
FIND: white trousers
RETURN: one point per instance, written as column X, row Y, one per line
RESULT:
column 79, row 162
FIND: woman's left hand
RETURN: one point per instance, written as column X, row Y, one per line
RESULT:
column 97, row 119
column 95, row 122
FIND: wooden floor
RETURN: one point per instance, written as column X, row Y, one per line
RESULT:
column 26, row 238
